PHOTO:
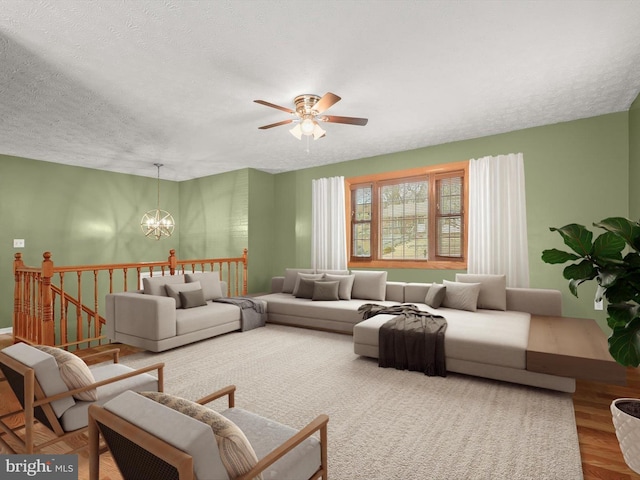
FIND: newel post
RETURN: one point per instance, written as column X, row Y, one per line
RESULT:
column 48, row 331
column 173, row 261
column 18, row 317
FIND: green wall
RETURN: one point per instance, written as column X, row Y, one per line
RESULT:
column 575, row 172
column 80, row 215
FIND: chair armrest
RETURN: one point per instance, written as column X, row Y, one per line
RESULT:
column 317, row 424
column 156, row 366
column 115, row 352
column 229, row 391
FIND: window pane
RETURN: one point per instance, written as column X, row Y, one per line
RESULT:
column 449, row 241
column 363, row 204
column 404, row 211
column 361, row 240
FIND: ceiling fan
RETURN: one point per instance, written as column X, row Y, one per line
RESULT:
column 307, row 115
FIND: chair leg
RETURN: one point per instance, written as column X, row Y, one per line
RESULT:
column 94, row 450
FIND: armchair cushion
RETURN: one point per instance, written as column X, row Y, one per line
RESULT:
column 183, row 432
column 236, row 452
column 73, row 371
column 46, row 372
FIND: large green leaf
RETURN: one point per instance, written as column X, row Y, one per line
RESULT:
column 620, row 314
column 554, row 255
column 608, row 246
column 576, row 237
column 624, row 343
column 624, row 228
column 580, row 271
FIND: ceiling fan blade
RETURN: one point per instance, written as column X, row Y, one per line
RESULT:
column 326, row 102
column 348, row 120
column 284, row 122
column 273, row 105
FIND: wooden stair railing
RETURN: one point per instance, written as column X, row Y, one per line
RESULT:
column 42, row 303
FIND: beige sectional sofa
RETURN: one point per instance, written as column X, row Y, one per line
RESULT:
column 487, row 323
column 170, row 311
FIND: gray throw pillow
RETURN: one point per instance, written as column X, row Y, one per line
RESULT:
column 305, row 276
column 461, row 296
column 369, row 285
column 435, row 295
column 210, row 282
column 193, row 298
column 493, row 289
column 291, row 276
column 346, row 284
column 326, row 291
column 305, row 288
column 173, row 291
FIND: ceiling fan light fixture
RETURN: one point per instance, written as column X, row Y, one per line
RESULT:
column 318, row 132
column 308, row 125
column 296, row 131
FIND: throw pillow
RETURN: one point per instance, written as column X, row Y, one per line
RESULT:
column 435, row 295
column 461, row 296
column 173, row 291
column 369, row 285
column 156, row 285
column 305, row 288
column 73, row 371
column 346, row 284
column 325, row 291
column 290, row 277
column 236, row 453
column 306, row 276
column 210, row 282
column 493, row 289
column 193, row 298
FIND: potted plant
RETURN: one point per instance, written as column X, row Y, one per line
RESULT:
column 613, row 260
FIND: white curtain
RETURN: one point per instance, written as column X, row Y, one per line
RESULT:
column 498, row 218
column 328, row 227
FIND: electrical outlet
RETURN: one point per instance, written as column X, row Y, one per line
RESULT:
column 597, row 304
column 18, row 243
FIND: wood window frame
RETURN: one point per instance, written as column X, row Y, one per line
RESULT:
column 433, row 171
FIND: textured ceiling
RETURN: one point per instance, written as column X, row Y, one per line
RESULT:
column 119, row 85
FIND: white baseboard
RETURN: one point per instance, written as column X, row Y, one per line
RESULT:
column 8, row 331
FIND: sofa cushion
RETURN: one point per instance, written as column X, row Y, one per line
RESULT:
column 306, row 276
column 369, row 285
column 346, row 284
column 73, row 371
column 155, row 285
column 493, row 289
column 461, row 296
column 192, row 299
column 290, row 277
column 173, row 291
column 435, row 295
column 210, row 282
column 305, row 288
column 325, row 291
column 236, row 452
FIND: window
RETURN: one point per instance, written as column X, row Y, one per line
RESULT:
column 414, row 218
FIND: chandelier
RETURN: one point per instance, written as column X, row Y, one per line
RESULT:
column 157, row 223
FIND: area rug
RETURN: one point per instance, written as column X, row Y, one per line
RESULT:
column 383, row 423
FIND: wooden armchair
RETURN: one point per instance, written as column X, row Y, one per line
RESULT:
column 50, row 412
column 184, row 446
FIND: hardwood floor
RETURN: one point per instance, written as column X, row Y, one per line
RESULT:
column 601, row 456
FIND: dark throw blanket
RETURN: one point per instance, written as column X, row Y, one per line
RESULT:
column 412, row 340
column 252, row 312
